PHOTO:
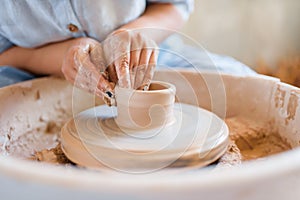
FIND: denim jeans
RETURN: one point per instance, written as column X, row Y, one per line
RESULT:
column 10, row 75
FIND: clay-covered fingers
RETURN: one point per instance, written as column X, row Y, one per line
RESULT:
column 69, row 67
column 82, row 72
column 134, row 62
column 112, row 74
column 141, row 68
column 149, row 72
column 144, row 52
column 117, row 53
column 123, row 71
column 97, row 56
column 131, row 56
column 147, row 63
column 115, row 46
column 89, row 77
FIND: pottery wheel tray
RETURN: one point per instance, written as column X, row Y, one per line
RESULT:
column 33, row 112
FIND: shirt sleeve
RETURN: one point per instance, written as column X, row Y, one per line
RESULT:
column 4, row 44
column 185, row 7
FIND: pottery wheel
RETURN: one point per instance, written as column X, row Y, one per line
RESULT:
column 93, row 139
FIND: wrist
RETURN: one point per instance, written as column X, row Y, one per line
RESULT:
column 120, row 30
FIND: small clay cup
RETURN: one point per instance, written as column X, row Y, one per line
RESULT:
column 139, row 109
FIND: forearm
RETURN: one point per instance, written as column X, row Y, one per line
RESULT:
column 157, row 17
column 43, row 60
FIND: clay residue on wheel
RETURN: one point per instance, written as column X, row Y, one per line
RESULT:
column 291, row 108
column 27, row 144
column 279, row 97
column 54, row 155
column 248, row 141
column 254, row 140
column 231, row 158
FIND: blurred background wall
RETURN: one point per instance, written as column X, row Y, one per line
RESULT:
column 248, row 30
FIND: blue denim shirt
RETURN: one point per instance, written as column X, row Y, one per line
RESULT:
column 32, row 23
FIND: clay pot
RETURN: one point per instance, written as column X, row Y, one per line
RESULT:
column 138, row 109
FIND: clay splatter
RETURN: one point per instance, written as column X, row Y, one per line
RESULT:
column 279, row 97
column 292, row 107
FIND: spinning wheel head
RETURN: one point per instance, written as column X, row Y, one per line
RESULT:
column 146, row 132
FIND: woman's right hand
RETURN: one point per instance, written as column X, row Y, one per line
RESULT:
column 85, row 67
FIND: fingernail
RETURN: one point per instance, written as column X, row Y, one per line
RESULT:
column 146, row 87
column 109, row 94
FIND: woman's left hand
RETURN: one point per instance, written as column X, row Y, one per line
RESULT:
column 131, row 58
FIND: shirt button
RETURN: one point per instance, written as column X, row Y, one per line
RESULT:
column 72, row 28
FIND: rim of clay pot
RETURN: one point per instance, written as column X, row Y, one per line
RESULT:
column 134, row 106
column 167, row 87
column 139, row 95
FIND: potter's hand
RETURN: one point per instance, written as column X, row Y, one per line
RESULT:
column 84, row 66
column 131, row 58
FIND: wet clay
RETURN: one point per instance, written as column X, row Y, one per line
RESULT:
column 248, row 141
column 196, row 137
column 254, row 140
column 29, row 143
column 54, row 156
